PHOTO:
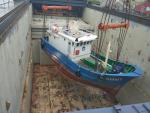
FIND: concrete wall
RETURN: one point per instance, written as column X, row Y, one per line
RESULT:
column 39, row 56
column 136, row 50
column 14, row 64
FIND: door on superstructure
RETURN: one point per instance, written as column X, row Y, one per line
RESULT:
column 69, row 47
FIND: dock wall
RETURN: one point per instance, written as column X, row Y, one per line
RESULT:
column 16, row 65
column 136, row 50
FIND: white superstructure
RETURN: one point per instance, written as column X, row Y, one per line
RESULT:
column 71, row 41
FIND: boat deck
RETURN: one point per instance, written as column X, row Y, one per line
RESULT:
column 90, row 63
column 52, row 93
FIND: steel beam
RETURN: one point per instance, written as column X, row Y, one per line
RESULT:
column 77, row 3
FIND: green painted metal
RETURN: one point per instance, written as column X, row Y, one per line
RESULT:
column 90, row 62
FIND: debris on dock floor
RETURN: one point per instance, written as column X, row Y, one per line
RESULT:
column 52, row 93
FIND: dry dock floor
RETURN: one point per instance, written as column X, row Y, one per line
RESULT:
column 52, row 93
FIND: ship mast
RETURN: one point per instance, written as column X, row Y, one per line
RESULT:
column 106, row 24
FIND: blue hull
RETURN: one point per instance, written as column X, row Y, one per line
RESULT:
column 111, row 83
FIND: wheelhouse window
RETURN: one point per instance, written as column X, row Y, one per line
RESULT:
column 77, row 44
column 72, row 43
column 81, row 43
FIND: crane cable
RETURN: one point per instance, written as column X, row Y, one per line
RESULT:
column 107, row 24
column 102, row 34
column 123, row 31
column 105, row 20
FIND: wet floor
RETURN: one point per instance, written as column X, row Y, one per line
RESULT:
column 52, row 93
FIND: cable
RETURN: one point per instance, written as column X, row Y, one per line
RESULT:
column 123, row 31
column 105, row 21
column 102, row 34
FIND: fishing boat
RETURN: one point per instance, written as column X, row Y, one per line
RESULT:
column 70, row 47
